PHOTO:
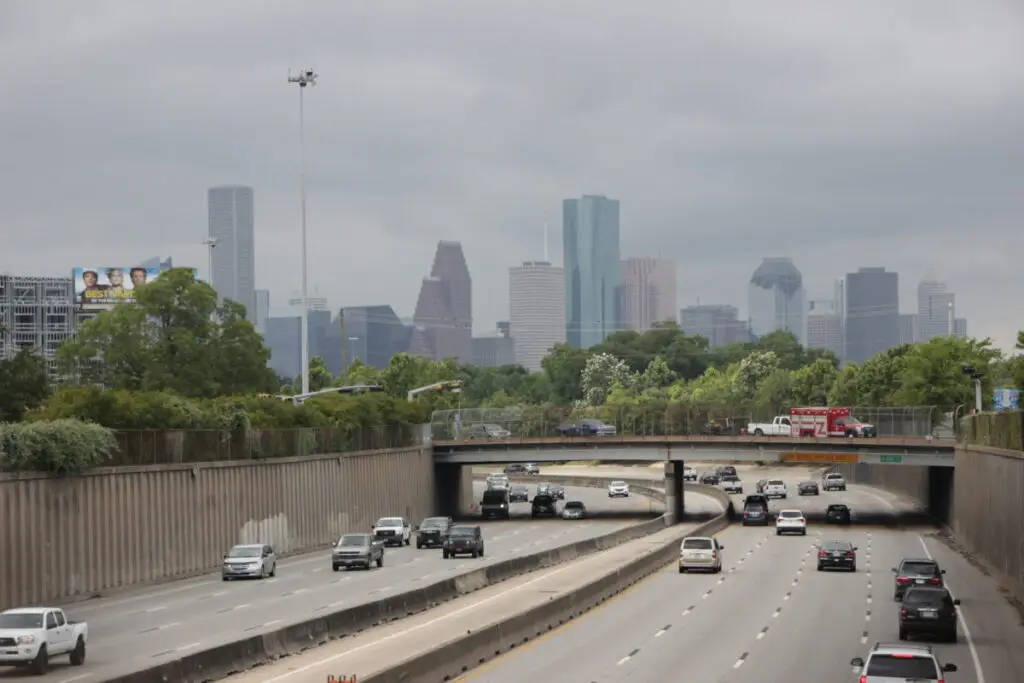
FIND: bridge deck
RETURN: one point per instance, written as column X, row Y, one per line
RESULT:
column 710, row 441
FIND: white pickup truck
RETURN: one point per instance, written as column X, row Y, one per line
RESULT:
column 32, row 636
column 779, row 426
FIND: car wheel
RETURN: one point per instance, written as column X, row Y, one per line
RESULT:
column 952, row 636
column 474, row 554
column 78, row 654
column 778, row 533
column 444, row 554
column 419, row 546
column 41, row 664
column 273, row 569
column 380, row 561
column 682, row 570
column 335, row 567
column 407, row 541
column 263, row 572
column 853, row 569
column 903, row 634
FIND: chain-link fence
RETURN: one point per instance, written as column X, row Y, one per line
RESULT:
column 654, row 418
column 155, row 447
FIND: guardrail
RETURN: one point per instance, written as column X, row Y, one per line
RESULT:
column 708, row 441
column 469, row 651
column 224, row 660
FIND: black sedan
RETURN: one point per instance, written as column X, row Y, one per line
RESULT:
column 807, row 488
column 837, row 555
column 710, row 480
column 837, row 514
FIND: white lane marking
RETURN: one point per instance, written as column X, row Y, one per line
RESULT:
column 339, row 603
column 863, row 641
column 721, row 581
column 242, row 606
column 738, row 664
column 760, row 635
column 320, row 569
column 153, row 609
column 869, row 599
column 412, row 629
column 660, row 633
column 218, row 594
column 271, row 623
column 785, row 597
column 867, row 617
column 190, row 646
column 686, row 611
column 170, row 625
column 75, row 678
column 963, row 622
column 622, row 661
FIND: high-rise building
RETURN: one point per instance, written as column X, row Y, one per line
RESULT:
column 960, row 328
column 648, row 293
column 284, row 339
column 908, row 328
column 777, row 300
column 495, row 349
column 593, row 270
column 935, row 310
column 718, row 323
column 38, row 313
column 372, row 334
column 157, row 262
column 314, row 299
column 536, row 292
column 444, row 311
column 824, row 326
column 840, row 301
column 261, row 309
column 232, row 224
column 872, row 313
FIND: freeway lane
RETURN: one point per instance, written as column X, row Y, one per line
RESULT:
column 133, row 631
column 770, row 615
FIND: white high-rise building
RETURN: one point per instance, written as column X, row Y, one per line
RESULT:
column 232, row 224
column 537, row 307
column 825, row 327
column 935, row 310
column 261, row 310
column 777, row 300
column 648, row 293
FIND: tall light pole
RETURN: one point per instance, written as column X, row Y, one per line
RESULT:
column 305, row 78
column 210, row 243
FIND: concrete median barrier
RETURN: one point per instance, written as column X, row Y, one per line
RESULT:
column 224, row 660
column 474, row 649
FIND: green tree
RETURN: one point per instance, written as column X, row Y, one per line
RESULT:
column 785, row 346
column 753, row 370
column 685, row 355
column 933, row 372
column 564, row 368
column 657, row 375
column 1020, row 340
column 24, row 384
column 175, row 337
column 603, row 373
column 320, row 376
column 812, row 383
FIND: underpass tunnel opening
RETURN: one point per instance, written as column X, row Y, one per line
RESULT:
column 453, row 490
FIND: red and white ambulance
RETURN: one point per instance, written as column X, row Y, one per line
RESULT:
column 826, row 422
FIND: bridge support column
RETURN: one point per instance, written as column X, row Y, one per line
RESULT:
column 453, row 490
column 674, row 492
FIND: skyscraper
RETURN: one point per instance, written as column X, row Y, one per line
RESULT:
column 872, row 313
column 648, row 293
column 536, row 292
column 777, row 300
column 232, row 224
column 935, row 310
column 718, row 323
column 261, row 310
column 824, row 327
column 443, row 321
column 590, row 251
column 157, row 262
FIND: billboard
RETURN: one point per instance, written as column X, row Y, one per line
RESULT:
column 1006, row 399
column 100, row 289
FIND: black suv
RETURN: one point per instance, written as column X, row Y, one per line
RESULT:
column 726, row 471
column 432, row 532
column 916, row 572
column 928, row 612
column 544, row 504
column 518, row 493
column 837, row 514
column 463, row 540
column 837, row 555
column 755, row 510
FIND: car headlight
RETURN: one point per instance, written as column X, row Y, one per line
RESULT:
column 254, row 565
column 26, row 640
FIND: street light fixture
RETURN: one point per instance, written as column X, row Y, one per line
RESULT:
column 304, row 79
column 210, row 243
column 976, row 376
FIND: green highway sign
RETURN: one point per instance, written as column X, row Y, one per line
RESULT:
column 891, row 458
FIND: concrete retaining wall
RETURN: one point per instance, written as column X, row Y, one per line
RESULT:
column 908, row 480
column 67, row 537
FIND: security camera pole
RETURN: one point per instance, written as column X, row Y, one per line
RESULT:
column 976, row 376
column 210, row 242
column 305, row 78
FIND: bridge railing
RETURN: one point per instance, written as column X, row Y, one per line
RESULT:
column 662, row 419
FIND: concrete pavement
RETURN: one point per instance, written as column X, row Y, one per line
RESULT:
column 133, row 631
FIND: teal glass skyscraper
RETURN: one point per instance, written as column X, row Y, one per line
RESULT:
column 590, row 253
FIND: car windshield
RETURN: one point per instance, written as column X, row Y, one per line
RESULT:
column 618, row 483
column 518, row 487
column 836, row 545
column 906, row 667
column 834, row 475
column 493, row 428
column 697, row 544
column 924, row 597
column 390, row 521
column 463, row 531
column 433, row 522
column 354, row 541
column 730, row 478
column 246, row 551
column 807, row 483
column 925, row 568
column 20, row 621
column 776, row 482
column 593, row 423
column 837, row 508
column 574, row 505
column 791, row 514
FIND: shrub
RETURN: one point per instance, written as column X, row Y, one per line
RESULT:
column 58, row 446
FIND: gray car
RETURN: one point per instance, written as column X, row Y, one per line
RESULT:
column 357, row 551
column 250, row 561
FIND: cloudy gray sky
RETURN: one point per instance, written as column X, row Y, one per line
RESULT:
column 843, row 134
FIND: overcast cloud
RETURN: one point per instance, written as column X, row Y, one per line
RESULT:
column 841, row 134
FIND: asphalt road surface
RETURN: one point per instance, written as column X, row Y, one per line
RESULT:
column 771, row 616
column 136, row 630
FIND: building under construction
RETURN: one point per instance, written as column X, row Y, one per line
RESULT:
column 36, row 312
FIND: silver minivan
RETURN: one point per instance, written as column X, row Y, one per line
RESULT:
column 249, row 561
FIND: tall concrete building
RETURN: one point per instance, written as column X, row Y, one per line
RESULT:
column 908, row 328
column 232, row 224
column 824, row 326
column 960, row 328
column 261, row 309
column 284, row 339
column 872, row 313
column 718, row 323
column 593, row 269
column 536, row 292
column 372, row 334
column 495, row 349
column 935, row 310
column 443, row 320
column 648, row 292
column 777, row 300
column 37, row 313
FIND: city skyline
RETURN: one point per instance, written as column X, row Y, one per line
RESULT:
column 710, row 168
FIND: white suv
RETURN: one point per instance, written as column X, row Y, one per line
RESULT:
column 901, row 662
column 775, row 488
column 618, row 489
column 790, row 522
column 699, row 552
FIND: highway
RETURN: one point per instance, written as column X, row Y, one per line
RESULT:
column 136, row 630
column 771, row 616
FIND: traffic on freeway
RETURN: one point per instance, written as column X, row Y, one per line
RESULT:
column 133, row 631
column 771, row 615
